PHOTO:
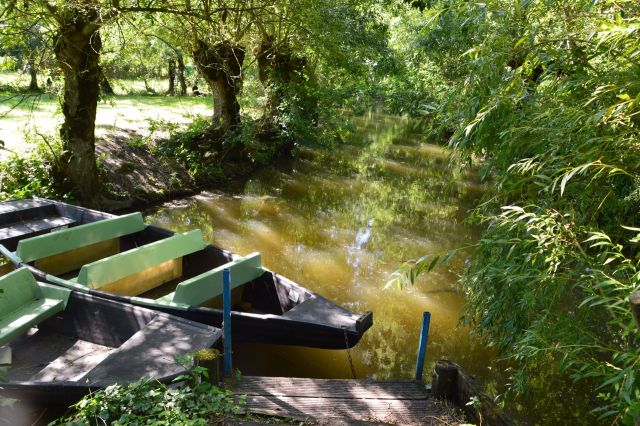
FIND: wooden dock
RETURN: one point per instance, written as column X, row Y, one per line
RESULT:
column 341, row 401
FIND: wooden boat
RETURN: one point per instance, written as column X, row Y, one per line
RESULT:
column 122, row 258
column 63, row 343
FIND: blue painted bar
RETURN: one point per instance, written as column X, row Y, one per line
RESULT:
column 226, row 317
column 422, row 345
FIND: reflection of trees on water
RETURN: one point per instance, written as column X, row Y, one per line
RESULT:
column 392, row 344
column 309, row 219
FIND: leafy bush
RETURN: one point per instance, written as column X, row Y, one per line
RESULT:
column 31, row 174
column 194, row 149
column 8, row 63
column 196, row 402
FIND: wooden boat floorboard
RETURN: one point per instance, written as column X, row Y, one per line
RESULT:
column 28, row 227
column 151, row 351
column 47, row 356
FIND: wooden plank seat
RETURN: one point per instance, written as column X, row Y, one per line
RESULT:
column 138, row 270
column 208, row 285
column 34, row 226
column 24, row 302
column 66, row 250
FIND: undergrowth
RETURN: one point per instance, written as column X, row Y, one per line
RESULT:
column 31, row 174
column 193, row 402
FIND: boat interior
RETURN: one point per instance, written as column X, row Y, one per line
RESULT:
column 96, row 341
column 124, row 256
column 31, row 217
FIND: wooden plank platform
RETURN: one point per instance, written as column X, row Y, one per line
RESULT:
column 394, row 402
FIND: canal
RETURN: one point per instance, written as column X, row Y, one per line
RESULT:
column 340, row 220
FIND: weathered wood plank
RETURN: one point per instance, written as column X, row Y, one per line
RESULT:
column 330, row 389
column 388, row 411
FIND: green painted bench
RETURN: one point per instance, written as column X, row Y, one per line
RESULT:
column 24, row 302
column 77, row 237
column 208, row 285
column 114, row 269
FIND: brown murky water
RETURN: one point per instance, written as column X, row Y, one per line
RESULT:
column 340, row 221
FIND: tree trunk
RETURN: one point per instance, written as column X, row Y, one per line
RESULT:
column 282, row 73
column 183, row 82
column 172, row 77
column 266, row 73
column 77, row 50
column 105, row 85
column 279, row 67
column 33, row 85
column 221, row 67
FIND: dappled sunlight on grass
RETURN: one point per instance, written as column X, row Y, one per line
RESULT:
column 132, row 110
column 42, row 114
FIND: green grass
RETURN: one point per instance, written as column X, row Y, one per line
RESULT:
column 24, row 114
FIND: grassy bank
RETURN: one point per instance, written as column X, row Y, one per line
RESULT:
column 129, row 126
column 24, row 114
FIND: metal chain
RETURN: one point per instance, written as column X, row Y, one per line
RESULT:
column 346, row 343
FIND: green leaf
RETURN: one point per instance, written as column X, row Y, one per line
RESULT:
column 434, row 262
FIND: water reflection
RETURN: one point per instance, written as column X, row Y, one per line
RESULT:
column 339, row 222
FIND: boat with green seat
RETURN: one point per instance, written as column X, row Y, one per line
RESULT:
column 60, row 343
column 122, row 258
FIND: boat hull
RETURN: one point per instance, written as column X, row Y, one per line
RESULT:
column 270, row 329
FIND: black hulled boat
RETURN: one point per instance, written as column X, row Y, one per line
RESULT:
column 123, row 259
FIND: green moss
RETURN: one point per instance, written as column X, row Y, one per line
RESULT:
column 207, row 355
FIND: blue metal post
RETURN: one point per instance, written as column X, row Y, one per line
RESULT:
column 422, row 346
column 226, row 327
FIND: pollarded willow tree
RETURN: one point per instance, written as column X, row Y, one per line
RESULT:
column 74, row 30
column 290, row 41
column 74, row 27
column 216, row 36
column 216, row 33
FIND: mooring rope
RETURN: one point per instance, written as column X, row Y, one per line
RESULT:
column 346, row 343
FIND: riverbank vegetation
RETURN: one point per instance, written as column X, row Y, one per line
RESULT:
column 542, row 96
column 195, row 401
